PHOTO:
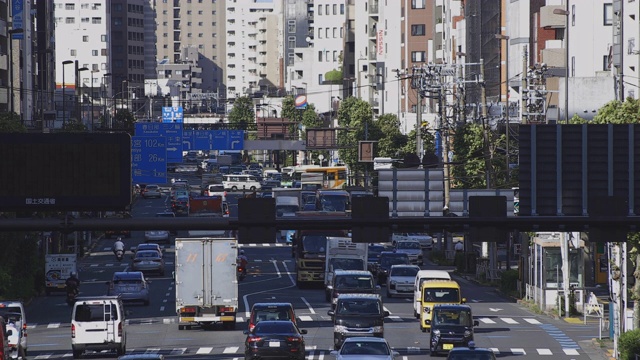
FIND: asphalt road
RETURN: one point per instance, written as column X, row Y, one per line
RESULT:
column 510, row 330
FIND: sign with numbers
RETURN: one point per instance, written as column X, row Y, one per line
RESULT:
column 149, row 159
column 172, row 114
column 173, row 133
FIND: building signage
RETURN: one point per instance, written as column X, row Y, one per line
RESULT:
column 380, row 42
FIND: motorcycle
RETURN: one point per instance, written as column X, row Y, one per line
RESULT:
column 72, row 294
column 119, row 254
column 241, row 273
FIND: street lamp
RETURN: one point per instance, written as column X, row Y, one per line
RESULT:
column 11, row 32
column 565, row 13
column 79, row 93
column 506, row 98
column 105, row 98
column 122, row 92
column 64, row 100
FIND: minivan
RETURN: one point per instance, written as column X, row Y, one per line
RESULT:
column 357, row 315
column 352, row 282
column 15, row 309
column 98, row 323
column 421, row 277
column 437, row 292
column 240, row 182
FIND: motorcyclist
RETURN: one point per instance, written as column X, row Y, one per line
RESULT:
column 243, row 261
column 118, row 245
column 72, row 283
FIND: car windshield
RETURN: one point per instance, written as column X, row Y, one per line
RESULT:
column 365, row 348
column 314, row 243
column 271, row 314
column 147, row 254
column 452, row 317
column 96, row 312
column 334, row 202
column 9, row 313
column 404, row 271
column 441, row 295
column 387, row 261
column 347, row 264
column 359, row 306
column 275, row 328
column 409, row 245
column 354, row 282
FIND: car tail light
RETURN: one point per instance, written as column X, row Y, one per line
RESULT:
column 251, row 326
column 120, row 329
column 73, row 330
column 254, row 339
column 293, row 339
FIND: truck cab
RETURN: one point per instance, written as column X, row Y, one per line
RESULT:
column 342, row 254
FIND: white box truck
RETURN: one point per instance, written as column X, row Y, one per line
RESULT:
column 57, row 268
column 205, row 280
column 343, row 254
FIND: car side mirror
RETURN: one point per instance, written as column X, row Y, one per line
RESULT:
column 476, row 323
column 246, row 332
column 464, row 300
column 333, row 353
column 386, row 313
column 303, row 332
column 395, row 353
column 331, row 313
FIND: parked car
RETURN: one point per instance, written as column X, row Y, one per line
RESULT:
column 274, row 339
column 157, row 236
column 151, row 191
column 357, row 348
column 148, row 261
column 130, row 286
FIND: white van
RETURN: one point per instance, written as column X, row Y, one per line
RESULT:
column 421, row 277
column 240, row 182
column 98, row 323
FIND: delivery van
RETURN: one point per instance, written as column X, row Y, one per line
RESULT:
column 421, row 277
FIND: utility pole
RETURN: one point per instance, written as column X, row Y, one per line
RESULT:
column 487, row 152
column 523, row 77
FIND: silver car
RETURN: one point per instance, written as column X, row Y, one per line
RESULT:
column 372, row 348
column 130, row 285
column 412, row 249
column 151, row 190
column 148, row 261
column 156, row 236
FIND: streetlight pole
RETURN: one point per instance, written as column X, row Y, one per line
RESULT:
column 91, row 96
column 64, row 99
column 10, row 40
column 506, row 99
column 122, row 92
column 79, row 93
column 104, row 98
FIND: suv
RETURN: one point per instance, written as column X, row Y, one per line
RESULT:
column 98, row 323
column 352, row 282
column 451, row 326
column 15, row 309
column 271, row 311
column 357, row 315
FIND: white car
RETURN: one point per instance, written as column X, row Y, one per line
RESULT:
column 401, row 280
column 425, row 240
column 13, row 312
column 412, row 248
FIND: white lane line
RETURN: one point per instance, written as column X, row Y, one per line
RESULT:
column 167, row 321
column 495, row 350
column 571, row 351
column 385, row 309
column 93, row 265
column 487, row 321
column 395, row 318
column 204, row 350
column 178, row 351
column 518, row 351
column 308, row 305
column 245, row 298
column 544, row 352
column 305, row 318
column 509, row 321
column 45, row 356
column 230, row 350
column 239, row 319
column 532, row 321
column 152, row 351
column 161, row 308
column 53, row 326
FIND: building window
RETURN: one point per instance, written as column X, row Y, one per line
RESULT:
column 319, row 56
column 326, row 33
column 103, row 38
column 335, row 33
column 200, row 23
column 84, row 20
column 608, row 14
column 417, row 4
column 165, row 35
column 327, row 10
column 69, row 6
column 573, row 66
column 291, row 59
column 94, row 52
column 83, row 6
column 341, row 31
column 73, row 52
column 117, row 21
column 95, row 67
column 335, row 9
column 200, row 35
column 341, row 9
column 85, row 38
column 319, row 33
column 96, row 20
column 70, row 20
column 605, row 63
column 335, row 56
column 291, row 26
column 417, row 30
column 327, row 56
column 292, row 42
column 319, row 9
column 200, row 12
column 418, row 56
column 320, row 79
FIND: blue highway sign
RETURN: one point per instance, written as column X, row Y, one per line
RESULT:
column 236, row 140
column 212, row 139
column 187, row 140
column 173, row 133
column 149, row 160
column 172, row 114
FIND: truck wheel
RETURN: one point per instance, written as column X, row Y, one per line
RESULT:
column 180, row 327
column 77, row 354
column 423, row 329
column 253, row 188
column 234, row 188
column 121, row 350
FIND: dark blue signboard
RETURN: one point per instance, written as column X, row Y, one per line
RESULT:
column 236, row 140
column 149, row 160
column 173, row 133
column 187, row 140
column 213, row 139
column 172, row 114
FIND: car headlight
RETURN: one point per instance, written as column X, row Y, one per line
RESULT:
column 378, row 329
column 467, row 333
column 436, row 332
column 427, row 309
column 339, row 328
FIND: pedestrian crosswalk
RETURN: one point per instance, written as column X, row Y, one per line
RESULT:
column 509, row 321
column 312, row 352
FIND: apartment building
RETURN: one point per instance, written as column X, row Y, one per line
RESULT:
column 200, row 24
column 254, row 48
column 625, row 59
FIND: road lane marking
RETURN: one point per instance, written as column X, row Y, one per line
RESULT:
column 178, row 351
column 532, row 321
column 487, row 321
column 53, row 326
column 245, row 298
column 45, row 356
column 204, row 350
column 152, row 351
column 571, row 351
column 544, row 352
column 395, row 318
column 308, row 305
column 509, row 321
column 518, row 351
column 385, row 309
column 167, row 321
column 239, row 319
column 230, row 350
column 495, row 350
column 305, row 318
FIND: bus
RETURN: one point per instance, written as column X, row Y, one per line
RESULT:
column 334, row 177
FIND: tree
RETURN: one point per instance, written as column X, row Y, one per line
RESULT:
column 391, row 140
column 289, row 110
column 310, row 119
column 355, row 115
column 10, row 123
column 428, row 143
column 242, row 114
column 469, row 171
column 124, row 120
column 74, row 126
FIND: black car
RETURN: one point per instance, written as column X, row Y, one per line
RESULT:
column 471, row 352
column 357, row 315
column 451, row 326
column 386, row 260
column 274, row 339
column 180, row 206
column 373, row 255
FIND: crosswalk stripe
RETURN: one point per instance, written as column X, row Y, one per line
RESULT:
column 532, row 321
column 544, row 352
column 230, row 350
column 518, row 351
column 487, row 321
column 495, row 350
column 509, row 321
column 571, row 351
column 305, row 318
column 204, row 350
column 53, row 326
column 395, row 318
column 152, row 351
column 239, row 319
column 45, row 356
column 178, row 351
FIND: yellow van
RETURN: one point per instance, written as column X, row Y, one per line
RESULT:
column 437, row 292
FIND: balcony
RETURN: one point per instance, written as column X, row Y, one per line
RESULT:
column 439, row 28
column 373, row 8
column 549, row 20
column 373, row 55
column 554, row 58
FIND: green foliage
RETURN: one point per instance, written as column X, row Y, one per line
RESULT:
column 333, row 77
column 391, row 140
column 615, row 112
column 124, row 120
column 629, row 344
column 10, row 123
column 242, row 113
column 356, row 115
column 428, row 142
column 289, row 110
column 310, row 118
column 469, row 169
column 438, row 257
column 509, row 281
column 74, row 126
column 22, row 270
